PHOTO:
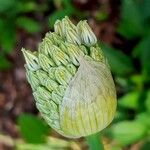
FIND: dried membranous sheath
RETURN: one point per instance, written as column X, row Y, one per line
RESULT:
column 71, row 80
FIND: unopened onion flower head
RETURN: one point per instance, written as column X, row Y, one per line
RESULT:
column 71, row 80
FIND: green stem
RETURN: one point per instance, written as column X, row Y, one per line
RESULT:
column 94, row 142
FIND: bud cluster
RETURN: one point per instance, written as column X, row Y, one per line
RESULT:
column 71, row 80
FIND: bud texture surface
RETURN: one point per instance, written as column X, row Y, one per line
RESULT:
column 71, row 80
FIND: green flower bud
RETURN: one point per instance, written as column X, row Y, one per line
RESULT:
column 87, row 36
column 71, row 80
column 67, row 30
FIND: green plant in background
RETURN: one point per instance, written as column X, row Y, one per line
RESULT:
column 13, row 15
column 71, row 81
column 64, row 8
column 131, row 74
column 135, row 25
column 28, row 123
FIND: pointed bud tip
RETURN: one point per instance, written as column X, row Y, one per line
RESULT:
column 31, row 59
column 87, row 35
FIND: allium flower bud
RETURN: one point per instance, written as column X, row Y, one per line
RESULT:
column 71, row 80
column 87, row 36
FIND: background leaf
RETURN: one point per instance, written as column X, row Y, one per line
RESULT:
column 142, row 51
column 27, row 6
column 8, row 36
column 144, row 118
column 58, row 15
column 4, row 63
column 32, row 128
column 66, row 10
column 147, row 102
column 146, row 145
column 6, row 5
column 128, row 132
column 131, row 20
column 29, row 24
column 130, row 100
column 120, row 63
column 144, row 9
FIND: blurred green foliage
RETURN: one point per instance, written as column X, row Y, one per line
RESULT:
column 120, row 63
column 64, row 8
column 14, row 15
column 32, row 128
column 131, row 73
column 130, row 65
column 128, row 132
column 134, row 25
